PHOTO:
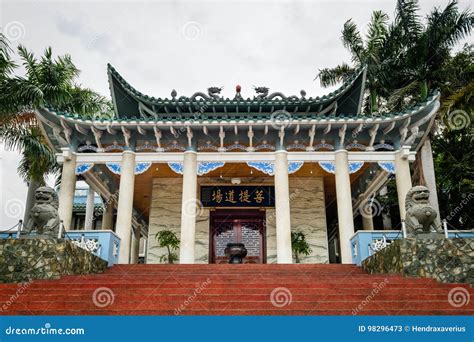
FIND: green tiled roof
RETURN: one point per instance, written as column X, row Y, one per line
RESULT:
column 127, row 101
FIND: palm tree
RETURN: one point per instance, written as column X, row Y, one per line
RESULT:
column 48, row 82
column 363, row 54
column 404, row 59
column 421, row 51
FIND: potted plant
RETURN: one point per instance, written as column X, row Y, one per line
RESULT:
column 169, row 240
column 299, row 245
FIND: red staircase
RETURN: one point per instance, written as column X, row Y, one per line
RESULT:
column 236, row 290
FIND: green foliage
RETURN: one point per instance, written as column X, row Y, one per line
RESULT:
column 405, row 58
column 47, row 82
column 454, row 168
column 169, row 240
column 299, row 245
column 389, row 200
column 453, row 143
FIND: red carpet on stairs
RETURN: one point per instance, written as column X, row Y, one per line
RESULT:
column 236, row 290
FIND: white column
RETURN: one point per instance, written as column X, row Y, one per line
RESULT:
column 188, row 208
column 108, row 216
column 135, row 248
column 426, row 155
column 387, row 221
column 367, row 222
column 344, row 205
column 125, row 205
column 402, row 178
column 68, row 186
column 89, row 209
column 282, row 209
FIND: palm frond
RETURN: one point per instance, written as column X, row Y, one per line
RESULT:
column 352, row 41
column 332, row 76
column 376, row 35
column 407, row 20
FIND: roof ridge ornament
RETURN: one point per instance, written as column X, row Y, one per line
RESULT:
column 262, row 92
column 212, row 93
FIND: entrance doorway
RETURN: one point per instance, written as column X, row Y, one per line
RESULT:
column 240, row 226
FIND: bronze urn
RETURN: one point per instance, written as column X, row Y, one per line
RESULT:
column 235, row 252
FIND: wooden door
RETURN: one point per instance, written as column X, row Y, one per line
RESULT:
column 246, row 227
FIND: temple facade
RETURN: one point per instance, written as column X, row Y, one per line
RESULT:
column 215, row 170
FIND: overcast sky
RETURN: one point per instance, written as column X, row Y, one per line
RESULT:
column 190, row 45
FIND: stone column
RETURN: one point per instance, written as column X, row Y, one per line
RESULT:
column 282, row 209
column 68, row 186
column 30, row 200
column 125, row 205
column 426, row 155
column 135, row 247
column 344, row 205
column 387, row 221
column 402, row 178
column 89, row 209
column 367, row 222
column 188, row 208
column 108, row 216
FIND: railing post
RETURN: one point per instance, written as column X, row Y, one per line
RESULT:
column 18, row 231
column 445, row 228
column 404, row 229
column 61, row 227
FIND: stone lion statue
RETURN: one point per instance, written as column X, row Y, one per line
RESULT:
column 44, row 219
column 420, row 215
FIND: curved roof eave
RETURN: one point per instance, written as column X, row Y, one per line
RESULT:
column 409, row 112
column 138, row 96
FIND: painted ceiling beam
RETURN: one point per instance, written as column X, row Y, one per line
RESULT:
column 311, row 134
column 238, row 157
column 389, row 128
column 373, row 133
column 97, row 136
column 126, row 135
column 327, row 129
column 404, row 130
column 80, row 129
column 342, row 134
column 221, row 138
column 158, row 138
column 66, row 130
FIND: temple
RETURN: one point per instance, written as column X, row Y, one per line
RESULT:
column 253, row 170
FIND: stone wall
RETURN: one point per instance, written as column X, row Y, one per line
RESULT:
column 25, row 259
column 446, row 260
column 165, row 214
column 308, row 214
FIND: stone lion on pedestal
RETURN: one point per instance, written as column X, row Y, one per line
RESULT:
column 44, row 219
column 420, row 215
